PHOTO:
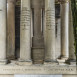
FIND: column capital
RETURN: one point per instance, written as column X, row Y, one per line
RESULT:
column 11, row 1
column 64, row 1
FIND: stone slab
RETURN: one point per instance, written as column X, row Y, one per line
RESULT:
column 38, row 76
column 38, row 69
column 22, row 63
column 50, row 63
column 6, row 75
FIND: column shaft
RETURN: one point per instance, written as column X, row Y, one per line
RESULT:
column 11, row 29
column 3, row 6
column 65, row 29
column 50, row 30
column 25, row 31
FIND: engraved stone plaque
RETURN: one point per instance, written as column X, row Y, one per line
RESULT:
column 38, row 76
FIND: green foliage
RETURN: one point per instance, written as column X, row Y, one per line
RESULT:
column 74, row 12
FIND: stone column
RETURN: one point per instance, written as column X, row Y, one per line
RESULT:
column 25, row 32
column 11, row 29
column 3, row 12
column 64, row 30
column 50, row 30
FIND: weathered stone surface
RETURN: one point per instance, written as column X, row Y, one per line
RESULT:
column 50, row 30
column 25, row 31
column 38, row 75
column 71, row 36
column 37, row 40
column 21, row 62
column 6, row 75
column 3, row 10
column 10, row 29
column 58, row 38
column 38, row 69
column 69, row 76
column 64, row 31
column 38, row 55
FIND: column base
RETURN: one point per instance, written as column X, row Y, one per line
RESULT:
column 3, row 62
column 21, row 62
column 62, row 61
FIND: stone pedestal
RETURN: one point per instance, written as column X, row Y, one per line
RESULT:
column 25, row 32
column 3, row 12
column 64, row 30
column 50, row 31
column 10, row 29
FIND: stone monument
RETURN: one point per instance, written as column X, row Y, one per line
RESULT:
column 46, row 47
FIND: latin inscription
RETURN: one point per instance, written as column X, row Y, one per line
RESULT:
column 45, row 69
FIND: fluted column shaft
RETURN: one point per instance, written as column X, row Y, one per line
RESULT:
column 50, row 30
column 11, row 29
column 65, row 28
column 25, row 31
column 3, row 10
